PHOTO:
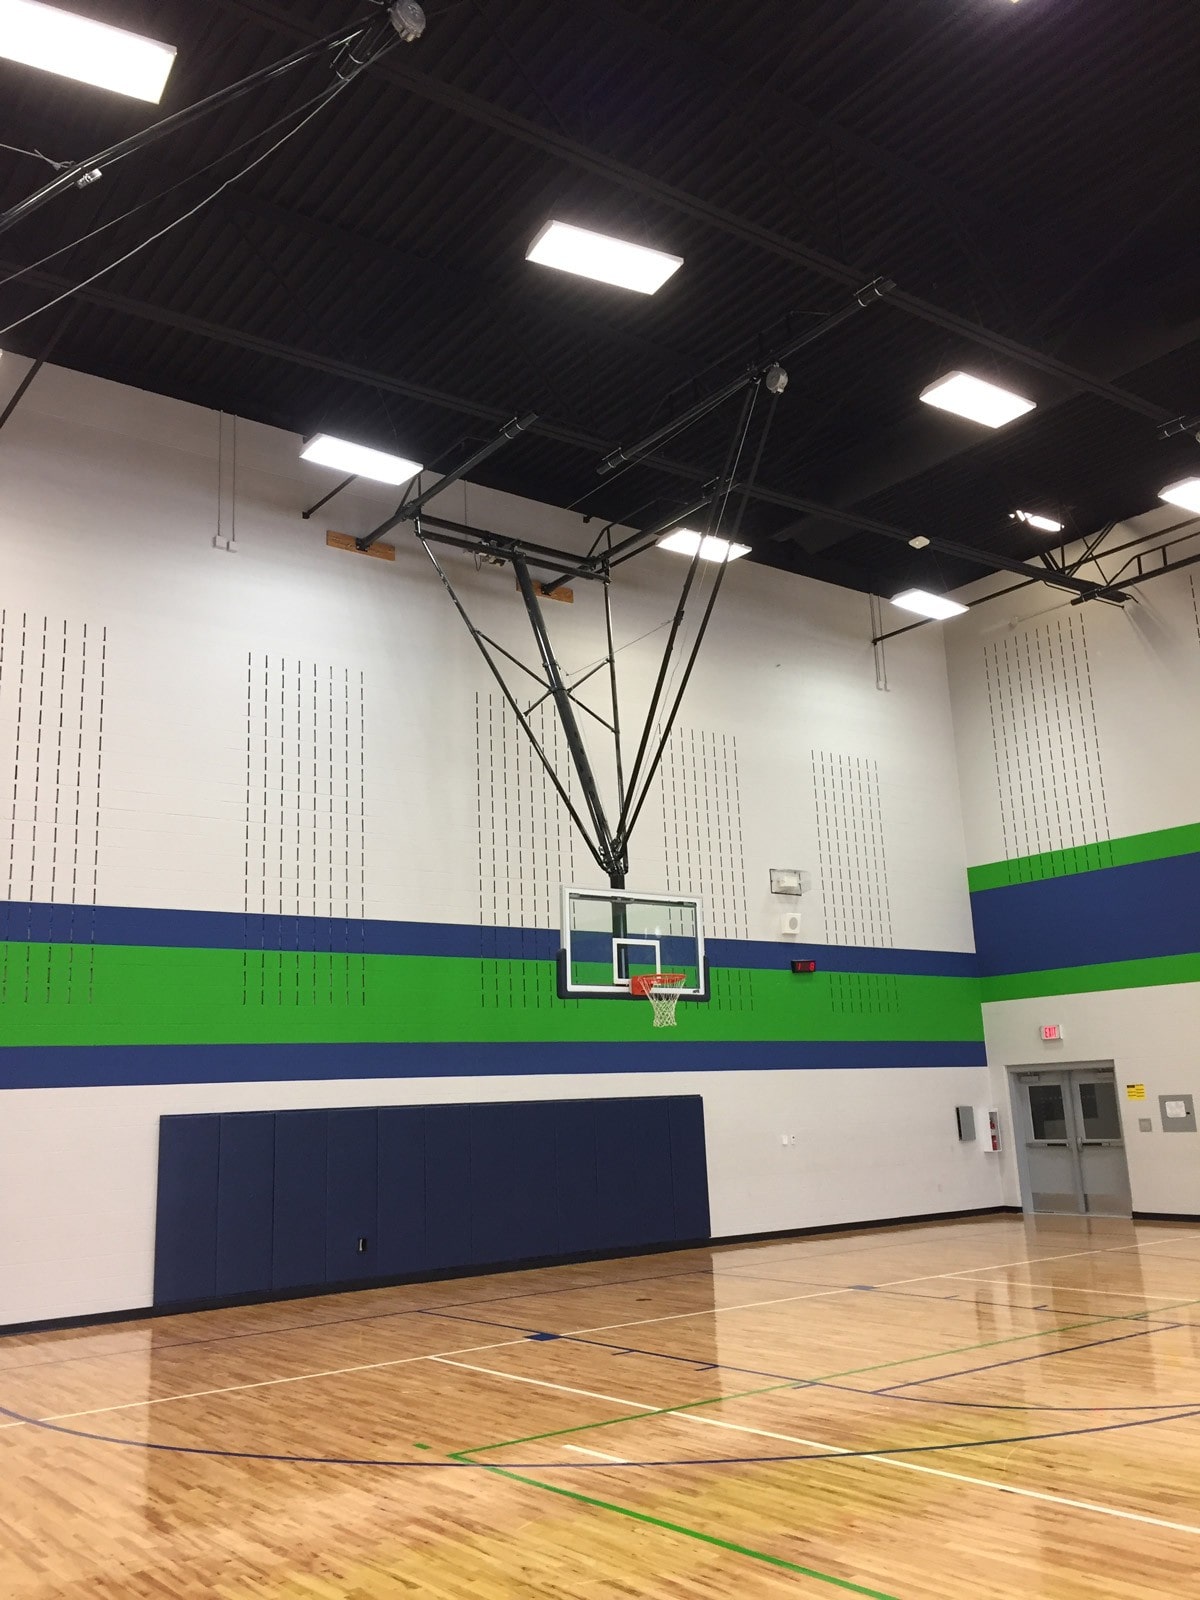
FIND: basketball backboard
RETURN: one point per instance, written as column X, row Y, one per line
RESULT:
column 610, row 936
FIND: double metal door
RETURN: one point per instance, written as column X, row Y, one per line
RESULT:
column 1074, row 1147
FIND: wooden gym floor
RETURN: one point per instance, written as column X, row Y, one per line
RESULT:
column 989, row 1408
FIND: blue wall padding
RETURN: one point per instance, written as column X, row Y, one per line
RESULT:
column 253, row 1202
column 577, row 1191
column 185, row 1253
column 448, row 1186
column 301, row 1156
column 245, row 1201
column 688, row 1169
column 352, row 1188
column 400, row 1197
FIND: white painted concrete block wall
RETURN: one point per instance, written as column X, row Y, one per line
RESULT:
column 107, row 517
column 1143, row 664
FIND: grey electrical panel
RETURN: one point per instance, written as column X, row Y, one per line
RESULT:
column 966, row 1122
column 1178, row 1113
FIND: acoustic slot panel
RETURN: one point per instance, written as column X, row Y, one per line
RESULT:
column 527, row 850
column 52, row 694
column 852, row 849
column 1045, row 741
column 260, row 1202
column 305, row 835
column 700, row 808
column 874, row 993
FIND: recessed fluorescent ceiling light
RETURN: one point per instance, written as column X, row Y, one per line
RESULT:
column 1185, row 493
column 928, row 605
column 358, row 459
column 1036, row 520
column 976, row 399
column 91, row 52
column 599, row 256
column 685, row 542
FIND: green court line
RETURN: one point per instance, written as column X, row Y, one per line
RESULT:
column 1124, row 852
column 727, row 1544
column 1147, row 973
column 797, row 1383
column 688, row 1533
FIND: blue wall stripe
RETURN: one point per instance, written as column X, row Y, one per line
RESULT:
column 91, row 1066
column 41, row 923
column 1151, row 908
column 764, row 955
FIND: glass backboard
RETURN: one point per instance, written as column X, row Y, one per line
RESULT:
column 610, row 936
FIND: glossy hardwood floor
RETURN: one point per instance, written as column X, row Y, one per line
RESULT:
column 976, row 1409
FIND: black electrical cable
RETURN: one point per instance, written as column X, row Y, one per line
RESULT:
column 162, row 194
column 323, row 100
column 69, row 177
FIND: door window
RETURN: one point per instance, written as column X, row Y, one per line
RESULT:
column 1099, row 1110
column 1047, row 1111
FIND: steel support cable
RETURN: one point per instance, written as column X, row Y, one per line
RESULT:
column 731, row 534
column 512, row 703
column 621, row 832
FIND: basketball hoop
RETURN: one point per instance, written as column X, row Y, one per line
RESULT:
column 662, row 991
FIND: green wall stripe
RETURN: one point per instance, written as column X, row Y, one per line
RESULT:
column 1091, row 980
column 1125, row 852
column 124, row 994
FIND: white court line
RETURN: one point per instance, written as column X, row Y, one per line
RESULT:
column 822, row 1294
column 542, row 1383
column 304, row 1377
column 266, row 1383
column 883, row 1461
column 601, row 1455
column 1113, row 1294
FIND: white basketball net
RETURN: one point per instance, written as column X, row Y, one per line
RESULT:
column 662, row 991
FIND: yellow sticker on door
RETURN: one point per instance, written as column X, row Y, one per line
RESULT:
column 1135, row 1091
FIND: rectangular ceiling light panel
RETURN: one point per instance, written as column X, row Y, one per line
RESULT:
column 599, row 256
column 1185, row 493
column 1034, row 519
column 976, row 399
column 363, row 462
column 58, row 41
column 925, row 604
column 685, row 542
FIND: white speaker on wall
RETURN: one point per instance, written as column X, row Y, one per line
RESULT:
column 789, row 924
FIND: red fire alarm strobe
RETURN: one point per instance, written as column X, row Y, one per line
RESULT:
column 804, row 966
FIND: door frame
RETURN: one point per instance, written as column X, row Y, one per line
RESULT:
column 1017, row 1118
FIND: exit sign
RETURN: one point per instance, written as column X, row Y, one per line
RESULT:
column 1050, row 1031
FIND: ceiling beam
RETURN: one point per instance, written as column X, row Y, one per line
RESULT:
column 578, row 438
column 438, row 92
column 387, row 258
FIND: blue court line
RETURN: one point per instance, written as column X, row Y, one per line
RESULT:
column 887, row 1394
column 1016, row 1361
column 148, row 1324
column 586, row 1466
column 962, row 1299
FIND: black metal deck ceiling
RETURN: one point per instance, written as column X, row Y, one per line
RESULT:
column 1023, row 172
